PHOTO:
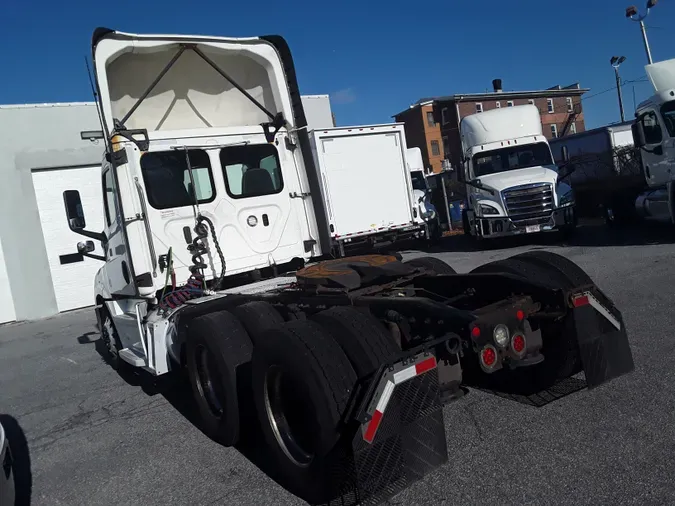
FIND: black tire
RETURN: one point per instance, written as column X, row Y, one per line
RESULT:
column 575, row 275
column 111, row 342
column 218, row 352
column 560, row 348
column 257, row 317
column 361, row 336
column 301, row 364
column 432, row 264
column 20, row 461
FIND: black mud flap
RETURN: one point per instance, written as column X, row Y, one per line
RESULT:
column 603, row 343
column 401, row 436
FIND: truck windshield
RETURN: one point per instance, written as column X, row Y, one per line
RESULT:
column 511, row 158
column 668, row 114
column 418, row 181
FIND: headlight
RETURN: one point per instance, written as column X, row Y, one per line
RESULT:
column 501, row 336
column 566, row 199
column 485, row 210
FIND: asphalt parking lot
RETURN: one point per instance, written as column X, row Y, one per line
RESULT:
column 96, row 439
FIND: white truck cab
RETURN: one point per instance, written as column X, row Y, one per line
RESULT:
column 654, row 134
column 426, row 214
column 513, row 185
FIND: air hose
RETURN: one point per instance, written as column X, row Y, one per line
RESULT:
column 196, row 283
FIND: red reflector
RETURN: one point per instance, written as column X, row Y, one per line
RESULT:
column 488, row 356
column 475, row 332
column 581, row 301
column 372, row 426
column 518, row 343
column 425, row 365
column 520, row 315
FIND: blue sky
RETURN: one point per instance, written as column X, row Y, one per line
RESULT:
column 373, row 57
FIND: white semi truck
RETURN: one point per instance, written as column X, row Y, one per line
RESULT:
column 513, row 185
column 424, row 211
column 654, row 134
column 345, row 363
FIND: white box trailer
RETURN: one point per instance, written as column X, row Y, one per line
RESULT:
column 365, row 184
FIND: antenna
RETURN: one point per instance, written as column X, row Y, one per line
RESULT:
column 98, row 105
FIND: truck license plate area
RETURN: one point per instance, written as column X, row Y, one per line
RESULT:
column 532, row 228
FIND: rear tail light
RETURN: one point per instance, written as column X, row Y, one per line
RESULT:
column 518, row 344
column 520, row 314
column 488, row 356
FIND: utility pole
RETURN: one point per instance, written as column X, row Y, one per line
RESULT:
column 633, row 15
column 615, row 61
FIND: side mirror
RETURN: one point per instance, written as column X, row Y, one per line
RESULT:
column 74, row 211
column 638, row 134
column 565, row 154
column 85, row 247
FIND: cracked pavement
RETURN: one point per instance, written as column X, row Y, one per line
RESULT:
column 97, row 439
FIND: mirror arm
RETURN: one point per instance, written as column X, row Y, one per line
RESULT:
column 480, row 187
column 97, row 236
column 95, row 257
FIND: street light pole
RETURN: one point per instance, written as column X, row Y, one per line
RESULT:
column 615, row 61
column 633, row 15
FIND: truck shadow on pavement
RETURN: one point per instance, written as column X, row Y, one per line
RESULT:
column 590, row 234
column 174, row 387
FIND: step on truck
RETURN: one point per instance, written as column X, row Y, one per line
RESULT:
column 512, row 183
column 213, row 265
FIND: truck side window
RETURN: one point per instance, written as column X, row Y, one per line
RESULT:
column 251, row 170
column 109, row 201
column 651, row 127
column 668, row 115
column 167, row 178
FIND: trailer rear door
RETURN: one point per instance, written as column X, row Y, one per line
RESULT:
column 365, row 180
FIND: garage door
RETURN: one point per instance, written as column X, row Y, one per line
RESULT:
column 7, row 313
column 72, row 274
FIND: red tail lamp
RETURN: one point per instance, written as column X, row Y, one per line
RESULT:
column 488, row 356
column 518, row 344
column 520, row 314
column 475, row 332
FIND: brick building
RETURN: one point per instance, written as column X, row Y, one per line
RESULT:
column 432, row 124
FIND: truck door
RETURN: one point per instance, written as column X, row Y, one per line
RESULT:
column 118, row 268
column 655, row 161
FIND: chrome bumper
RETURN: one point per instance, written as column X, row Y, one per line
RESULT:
column 504, row 226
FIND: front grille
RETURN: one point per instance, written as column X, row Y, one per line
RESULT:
column 530, row 204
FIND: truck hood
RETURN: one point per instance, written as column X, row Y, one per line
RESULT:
column 503, row 180
column 189, row 90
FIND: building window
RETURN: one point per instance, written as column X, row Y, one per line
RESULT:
column 509, row 103
column 430, row 119
column 573, row 128
column 498, row 105
column 168, row 182
column 479, row 107
column 549, row 102
column 435, row 149
column 554, row 131
column 251, row 171
column 444, row 116
column 570, row 105
column 446, row 147
column 530, row 101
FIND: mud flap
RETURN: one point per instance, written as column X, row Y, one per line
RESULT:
column 401, row 435
column 603, row 343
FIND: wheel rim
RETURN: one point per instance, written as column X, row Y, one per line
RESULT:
column 290, row 415
column 209, row 382
column 107, row 334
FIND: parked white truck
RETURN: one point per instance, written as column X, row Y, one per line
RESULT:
column 208, row 186
column 512, row 183
column 424, row 211
column 654, row 134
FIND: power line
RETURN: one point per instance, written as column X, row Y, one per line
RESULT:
column 623, row 83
